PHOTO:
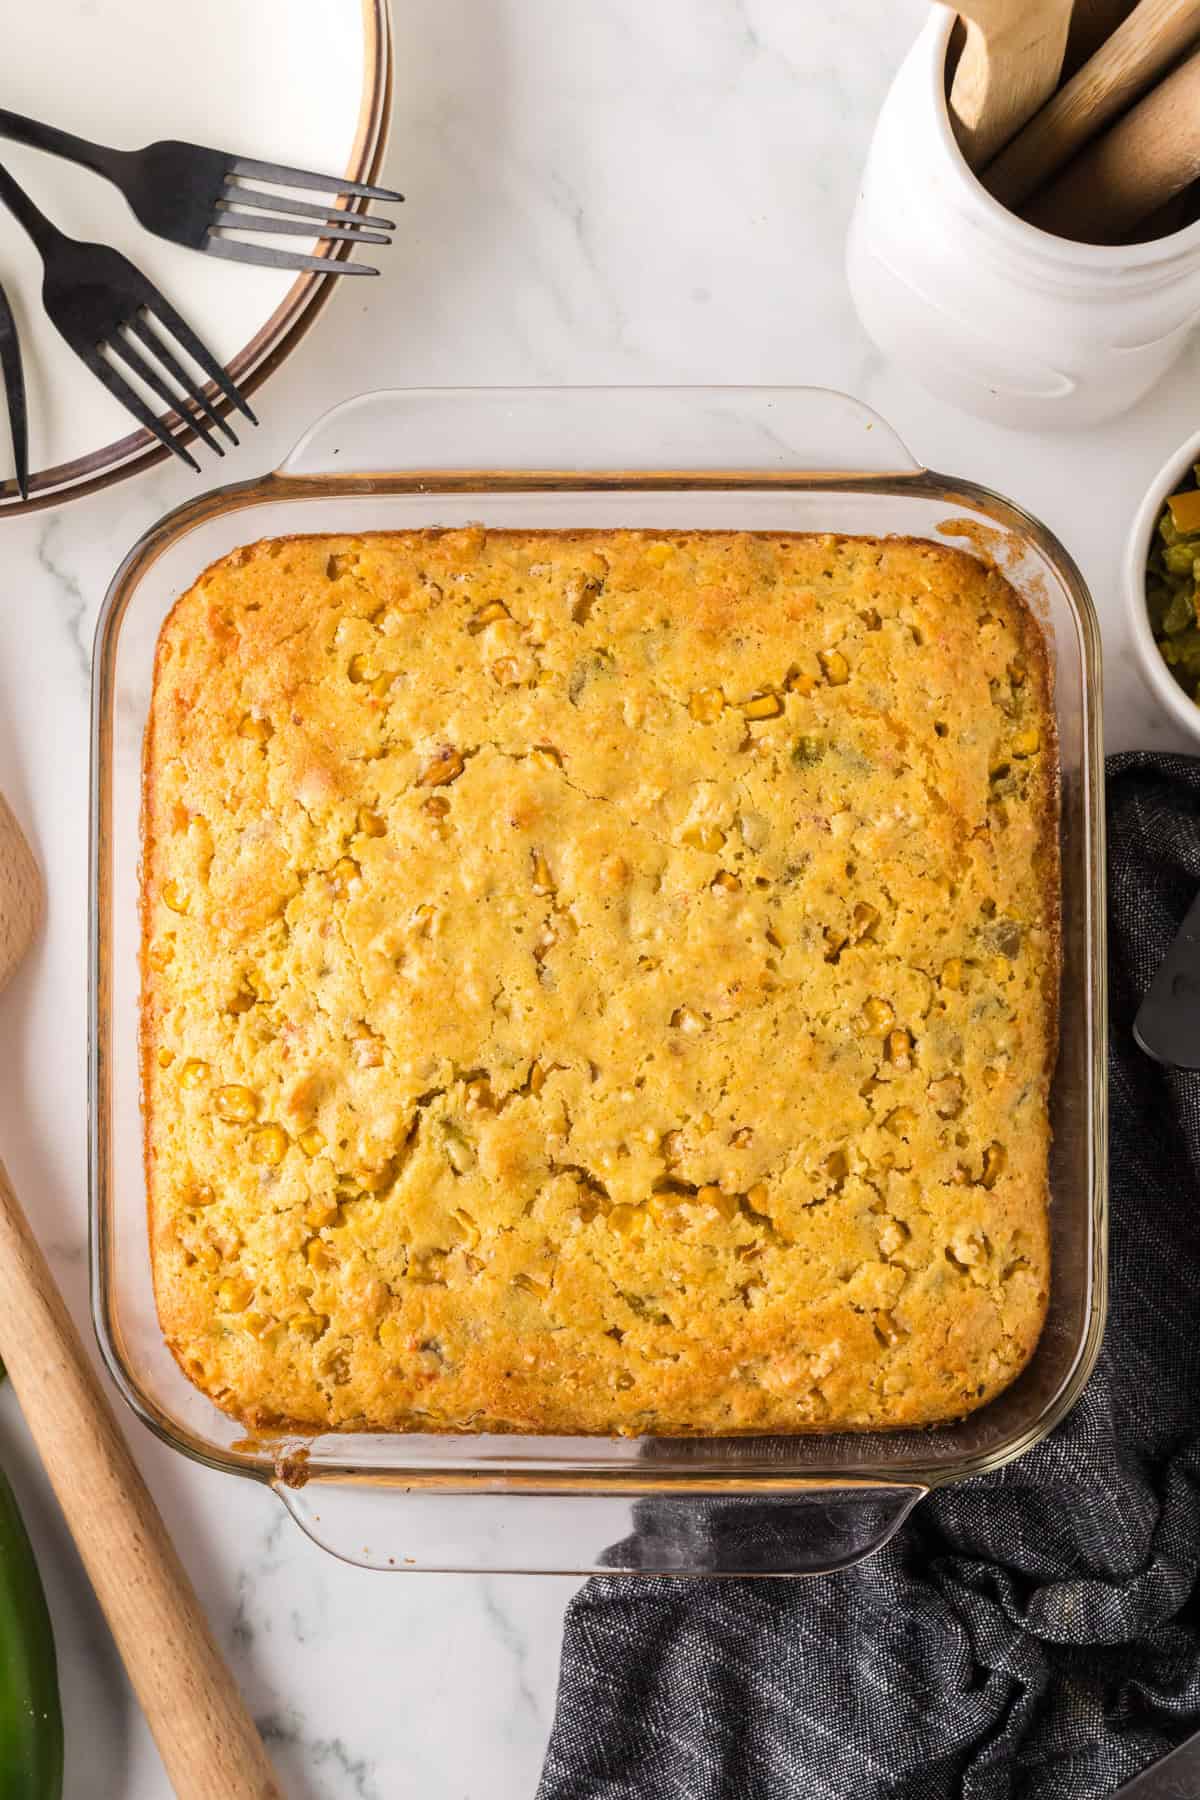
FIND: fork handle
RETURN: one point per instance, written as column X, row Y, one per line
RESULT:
column 97, row 157
column 44, row 234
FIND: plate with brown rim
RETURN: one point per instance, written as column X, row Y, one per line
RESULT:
column 301, row 82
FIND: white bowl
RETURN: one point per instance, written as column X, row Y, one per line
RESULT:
column 1155, row 673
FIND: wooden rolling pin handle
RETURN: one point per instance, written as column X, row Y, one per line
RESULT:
column 207, row 1739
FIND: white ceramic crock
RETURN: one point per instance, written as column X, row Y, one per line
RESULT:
column 1158, row 678
column 1004, row 320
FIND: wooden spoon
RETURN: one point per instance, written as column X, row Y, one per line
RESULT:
column 1010, row 65
column 207, row 1739
column 1139, row 51
column 1142, row 162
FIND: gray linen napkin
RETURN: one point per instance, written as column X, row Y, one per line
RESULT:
column 1029, row 1635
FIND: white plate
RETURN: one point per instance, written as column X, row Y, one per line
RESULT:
column 303, row 82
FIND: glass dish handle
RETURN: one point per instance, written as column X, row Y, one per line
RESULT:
column 808, row 1530
column 775, row 431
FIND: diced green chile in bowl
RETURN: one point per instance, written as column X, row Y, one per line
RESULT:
column 1172, row 587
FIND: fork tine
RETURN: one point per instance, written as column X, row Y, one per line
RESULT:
column 163, row 313
column 162, row 350
column 304, row 178
column 141, row 366
column 237, row 191
column 235, row 218
column 120, row 390
column 270, row 258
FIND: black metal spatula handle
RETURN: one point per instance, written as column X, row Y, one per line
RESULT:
column 1168, row 1023
column 1176, row 1777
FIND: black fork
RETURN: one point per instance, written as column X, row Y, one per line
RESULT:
column 208, row 199
column 109, row 313
column 14, row 388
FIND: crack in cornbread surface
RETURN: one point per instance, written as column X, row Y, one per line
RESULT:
column 599, row 982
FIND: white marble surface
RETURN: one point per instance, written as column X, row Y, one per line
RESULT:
column 600, row 191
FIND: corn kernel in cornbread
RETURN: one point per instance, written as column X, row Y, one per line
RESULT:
column 599, row 982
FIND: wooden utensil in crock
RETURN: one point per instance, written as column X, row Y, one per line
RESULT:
column 207, row 1739
column 1140, row 163
column 1092, row 21
column 1140, row 51
column 1010, row 65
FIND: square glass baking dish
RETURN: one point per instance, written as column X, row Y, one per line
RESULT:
column 754, row 459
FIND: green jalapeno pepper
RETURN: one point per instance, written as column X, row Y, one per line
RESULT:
column 31, row 1728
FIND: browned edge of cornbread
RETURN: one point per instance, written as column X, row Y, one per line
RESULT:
column 1045, row 805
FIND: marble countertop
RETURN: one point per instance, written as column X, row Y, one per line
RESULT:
column 605, row 192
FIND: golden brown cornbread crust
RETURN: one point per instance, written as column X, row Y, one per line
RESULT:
column 599, row 982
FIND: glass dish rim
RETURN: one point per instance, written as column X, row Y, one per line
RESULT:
column 275, row 1460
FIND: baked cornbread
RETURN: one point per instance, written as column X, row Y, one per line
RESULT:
column 599, row 982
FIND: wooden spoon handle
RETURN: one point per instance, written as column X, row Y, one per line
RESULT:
column 1137, row 166
column 1138, row 52
column 207, row 1739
